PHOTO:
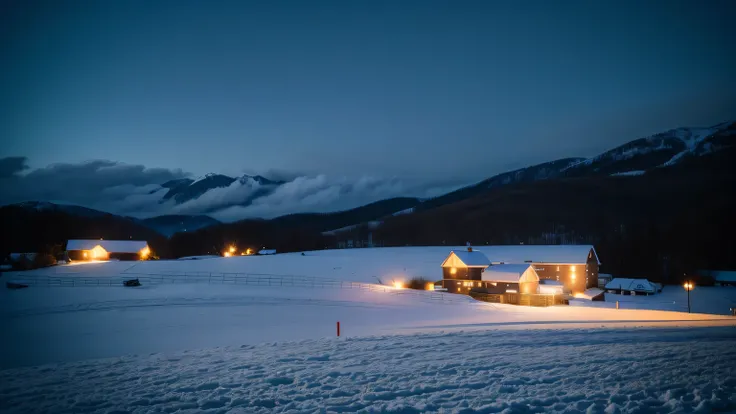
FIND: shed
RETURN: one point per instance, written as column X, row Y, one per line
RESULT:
column 107, row 249
column 551, row 287
column 634, row 286
column 521, row 278
column 464, row 265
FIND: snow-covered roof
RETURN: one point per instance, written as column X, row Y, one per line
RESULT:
column 562, row 254
column 112, row 246
column 637, row 285
column 511, row 273
column 589, row 294
column 267, row 251
column 464, row 258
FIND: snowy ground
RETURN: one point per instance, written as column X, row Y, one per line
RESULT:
column 592, row 371
column 710, row 299
column 65, row 324
column 206, row 345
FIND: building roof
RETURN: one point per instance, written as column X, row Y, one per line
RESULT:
column 562, row 254
column 464, row 258
column 511, row 273
column 112, row 246
column 267, row 251
column 637, row 285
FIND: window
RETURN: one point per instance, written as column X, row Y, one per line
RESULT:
column 453, row 270
column 558, row 268
column 572, row 268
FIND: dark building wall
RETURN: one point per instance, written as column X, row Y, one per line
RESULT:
column 586, row 274
column 462, row 273
column 124, row 256
column 464, row 286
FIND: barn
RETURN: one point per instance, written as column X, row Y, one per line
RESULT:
column 462, row 270
column 575, row 266
column 511, row 278
column 80, row 250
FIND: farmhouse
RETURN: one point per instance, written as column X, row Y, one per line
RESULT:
column 462, row 268
column 107, row 249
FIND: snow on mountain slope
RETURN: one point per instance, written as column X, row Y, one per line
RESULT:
column 664, row 149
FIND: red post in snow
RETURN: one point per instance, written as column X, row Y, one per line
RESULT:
column 338, row 329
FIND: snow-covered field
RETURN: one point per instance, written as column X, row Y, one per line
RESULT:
column 709, row 299
column 205, row 345
column 592, row 371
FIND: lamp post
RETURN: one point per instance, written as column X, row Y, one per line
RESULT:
column 688, row 286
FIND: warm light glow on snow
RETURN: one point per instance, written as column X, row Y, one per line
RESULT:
column 398, row 285
column 227, row 254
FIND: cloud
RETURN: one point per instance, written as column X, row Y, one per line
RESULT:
column 100, row 184
column 11, row 166
column 320, row 194
column 135, row 190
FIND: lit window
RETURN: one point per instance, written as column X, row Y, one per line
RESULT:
column 453, row 270
column 478, row 284
column 558, row 268
column 572, row 276
column 572, row 268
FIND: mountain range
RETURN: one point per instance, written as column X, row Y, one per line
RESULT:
column 635, row 158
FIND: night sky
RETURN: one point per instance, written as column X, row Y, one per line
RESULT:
column 434, row 93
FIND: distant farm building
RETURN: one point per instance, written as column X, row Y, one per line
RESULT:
column 463, row 267
column 632, row 286
column 267, row 251
column 107, row 249
column 720, row 277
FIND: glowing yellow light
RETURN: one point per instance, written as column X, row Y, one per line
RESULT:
column 84, row 254
column 572, row 268
column 247, row 251
column 98, row 252
column 430, row 286
column 227, row 254
column 689, row 285
column 572, row 276
column 398, row 285
column 453, row 270
column 145, row 252
column 232, row 249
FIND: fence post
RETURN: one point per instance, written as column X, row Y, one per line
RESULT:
column 338, row 328
column 616, row 304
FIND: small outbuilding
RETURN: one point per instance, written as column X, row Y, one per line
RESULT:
column 267, row 252
column 81, row 250
column 512, row 278
column 632, row 286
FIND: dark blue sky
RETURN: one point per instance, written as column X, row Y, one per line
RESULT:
column 424, row 90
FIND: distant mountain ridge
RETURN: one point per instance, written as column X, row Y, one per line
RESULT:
column 636, row 157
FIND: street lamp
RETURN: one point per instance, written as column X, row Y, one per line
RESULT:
column 688, row 286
